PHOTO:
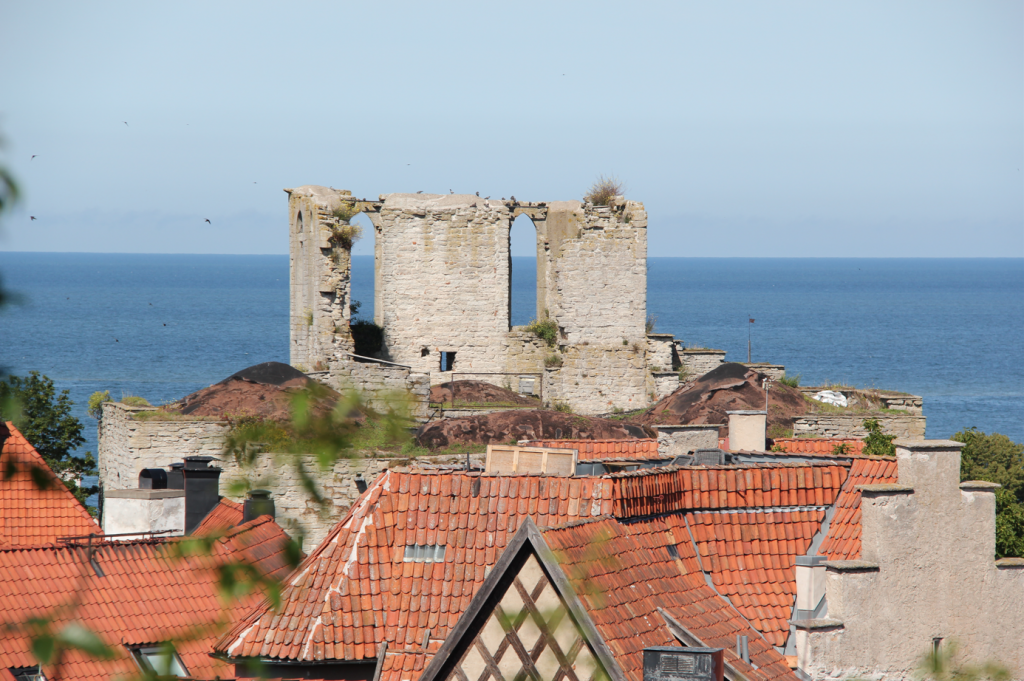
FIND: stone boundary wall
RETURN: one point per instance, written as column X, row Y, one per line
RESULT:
column 126, row 445
column 597, row 379
column 664, row 383
column 699, row 362
column 661, row 352
column 381, row 384
column 772, row 371
column 909, row 426
column 912, row 404
column 686, row 439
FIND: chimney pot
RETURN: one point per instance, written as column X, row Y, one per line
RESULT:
column 258, row 502
column 202, row 489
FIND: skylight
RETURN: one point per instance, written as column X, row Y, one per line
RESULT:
column 159, row 660
column 424, row 553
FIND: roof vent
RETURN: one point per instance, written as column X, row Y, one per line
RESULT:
column 664, row 663
column 153, row 478
column 709, row 457
column 175, row 480
column 257, row 503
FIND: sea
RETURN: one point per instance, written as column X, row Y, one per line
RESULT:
column 163, row 326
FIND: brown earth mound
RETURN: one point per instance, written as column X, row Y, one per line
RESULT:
column 729, row 387
column 478, row 392
column 524, row 424
column 264, row 390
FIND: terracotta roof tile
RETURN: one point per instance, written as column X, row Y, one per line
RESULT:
column 843, row 539
column 146, row 595
column 588, row 450
column 822, row 446
column 623, row 572
column 226, row 514
column 30, row 516
column 462, row 511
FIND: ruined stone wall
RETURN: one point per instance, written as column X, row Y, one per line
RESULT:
column 126, row 445
column 699, row 362
column 596, row 379
column 927, row 571
column 772, row 371
column 910, row 426
column 320, row 278
column 444, row 281
column 664, row 383
column 384, row 386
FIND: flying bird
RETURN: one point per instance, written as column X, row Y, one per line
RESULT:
column 486, row 197
column 126, row 123
column 420, row 191
column 32, row 216
column 208, row 221
column 33, row 156
column 116, row 341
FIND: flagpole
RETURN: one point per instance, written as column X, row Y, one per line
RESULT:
column 748, row 339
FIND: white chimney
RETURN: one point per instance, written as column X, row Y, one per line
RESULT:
column 139, row 511
column 746, row 430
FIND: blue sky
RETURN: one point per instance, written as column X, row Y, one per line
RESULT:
column 746, row 128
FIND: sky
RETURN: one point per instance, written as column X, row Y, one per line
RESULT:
column 748, row 129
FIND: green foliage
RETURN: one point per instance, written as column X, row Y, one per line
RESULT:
column 997, row 458
column 778, row 430
column 546, row 329
column 842, row 449
column 135, row 401
column 344, row 213
column 940, row 664
column 367, row 337
column 562, row 407
column 345, row 235
column 45, row 419
column 553, row 360
column 603, row 191
column 878, row 443
column 96, row 401
column 652, row 321
column 791, row 381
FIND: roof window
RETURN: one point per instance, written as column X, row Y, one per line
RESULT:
column 424, row 553
column 27, row 673
column 159, row 660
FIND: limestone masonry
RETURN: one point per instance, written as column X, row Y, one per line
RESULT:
column 443, row 295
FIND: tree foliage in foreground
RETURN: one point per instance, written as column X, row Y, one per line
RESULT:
column 997, row 458
column 44, row 417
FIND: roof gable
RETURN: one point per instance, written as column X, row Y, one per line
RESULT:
column 29, row 515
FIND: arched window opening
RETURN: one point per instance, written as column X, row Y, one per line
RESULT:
column 523, row 288
column 363, row 268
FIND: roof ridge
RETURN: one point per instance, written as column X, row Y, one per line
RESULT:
column 577, row 523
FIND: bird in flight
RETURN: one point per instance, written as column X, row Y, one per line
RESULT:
column 32, row 216
column 33, row 156
column 208, row 221
column 420, row 191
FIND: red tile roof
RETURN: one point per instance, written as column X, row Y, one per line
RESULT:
column 146, row 595
column 622, row 573
column 31, row 516
column 843, row 539
column 589, row 450
column 226, row 514
column 751, row 558
column 817, row 445
column 674, row 488
column 355, row 590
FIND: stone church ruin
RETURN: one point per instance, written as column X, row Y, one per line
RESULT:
column 442, row 295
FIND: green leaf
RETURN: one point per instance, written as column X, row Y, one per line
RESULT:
column 42, row 647
column 76, row 636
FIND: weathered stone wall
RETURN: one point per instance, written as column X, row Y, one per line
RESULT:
column 596, row 379
column 928, row 571
column 912, row 404
column 126, row 445
column 664, row 383
column 320, row 278
column 772, row 371
column 384, row 386
column 685, row 439
column 911, row 426
column 444, row 280
column 293, row 505
column 699, row 362
column 661, row 352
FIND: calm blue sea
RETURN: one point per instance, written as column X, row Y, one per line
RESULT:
column 162, row 326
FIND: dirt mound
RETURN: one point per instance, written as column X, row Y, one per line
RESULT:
column 478, row 392
column 524, row 424
column 729, row 387
column 263, row 390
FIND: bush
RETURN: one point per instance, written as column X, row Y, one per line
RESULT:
column 842, row 449
column 553, row 361
column 562, row 407
column 367, row 337
column 345, row 235
column 878, row 443
column 997, row 458
column 791, row 381
column 546, row 329
column 603, row 191
column 96, row 401
column 135, row 401
column 652, row 321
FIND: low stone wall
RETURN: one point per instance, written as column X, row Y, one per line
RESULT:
column 661, row 352
column 699, row 362
column 382, row 384
column 295, row 509
column 685, row 439
column 127, row 445
column 909, row 426
column 912, row 404
column 772, row 371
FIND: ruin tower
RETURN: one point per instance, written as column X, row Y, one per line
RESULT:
column 320, row 276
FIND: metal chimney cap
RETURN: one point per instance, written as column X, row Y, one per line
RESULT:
column 193, row 463
column 259, row 493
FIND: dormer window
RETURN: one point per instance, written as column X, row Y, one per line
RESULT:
column 159, row 660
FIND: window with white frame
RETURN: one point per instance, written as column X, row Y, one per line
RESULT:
column 159, row 660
